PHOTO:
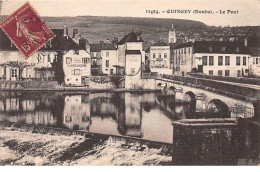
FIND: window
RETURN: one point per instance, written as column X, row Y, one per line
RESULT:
column 226, row 72
column 219, row 72
column 210, row 49
column 165, row 55
column 107, row 54
column 84, row 60
column 211, row 60
column 68, row 60
column 227, row 60
column 49, row 58
column 14, row 72
column 132, row 70
column 159, row 55
column 244, row 61
column 111, row 71
column 220, row 60
column 237, row 49
column 107, row 63
column 223, row 48
column 210, row 72
column 256, row 60
column 238, row 73
column 238, row 61
column 76, row 52
column 76, row 72
column 204, row 60
column 154, row 56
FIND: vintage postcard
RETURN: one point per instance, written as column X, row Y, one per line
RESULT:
column 129, row 82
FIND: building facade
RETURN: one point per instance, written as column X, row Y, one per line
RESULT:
column 76, row 66
column 212, row 58
column 160, row 58
column 38, row 66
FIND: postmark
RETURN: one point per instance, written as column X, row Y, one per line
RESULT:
column 26, row 30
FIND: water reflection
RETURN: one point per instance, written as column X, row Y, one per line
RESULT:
column 137, row 115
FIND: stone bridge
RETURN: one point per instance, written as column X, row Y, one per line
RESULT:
column 206, row 100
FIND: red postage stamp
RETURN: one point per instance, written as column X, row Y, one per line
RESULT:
column 26, row 30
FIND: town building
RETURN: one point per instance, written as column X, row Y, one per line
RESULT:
column 130, row 53
column 109, row 58
column 254, row 62
column 172, row 35
column 96, row 59
column 38, row 66
column 212, row 58
column 160, row 58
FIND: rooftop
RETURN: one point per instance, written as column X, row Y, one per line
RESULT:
column 132, row 52
column 161, row 43
column 59, row 42
column 220, row 47
column 131, row 37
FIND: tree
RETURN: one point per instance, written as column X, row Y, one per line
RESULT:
column 116, row 80
column 57, row 67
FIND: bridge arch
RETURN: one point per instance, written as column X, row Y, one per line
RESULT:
column 190, row 97
column 159, row 85
column 171, row 91
column 218, row 109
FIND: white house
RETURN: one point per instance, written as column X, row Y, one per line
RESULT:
column 14, row 67
column 76, row 66
column 254, row 61
column 109, row 58
column 160, row 60
column 212, row 58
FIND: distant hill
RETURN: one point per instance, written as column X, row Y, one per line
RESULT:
column 97, row 29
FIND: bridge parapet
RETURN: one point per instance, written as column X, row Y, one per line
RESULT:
column 217, row 86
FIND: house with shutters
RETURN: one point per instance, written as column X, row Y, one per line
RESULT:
column 160, row 58
column 212, row 58
column 14, row 67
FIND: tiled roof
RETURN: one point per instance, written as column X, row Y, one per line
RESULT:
column 147, row 50
column 161, row 43
column 219, row 47
column 59, row 42
column 132, row 52
column 95, row 47
column 131, row 37
column 108, row 46
column 254, row 51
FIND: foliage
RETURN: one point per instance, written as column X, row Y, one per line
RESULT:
column 116, row 80
column 57, row 67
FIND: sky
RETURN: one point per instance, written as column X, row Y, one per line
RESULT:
column 248, row 10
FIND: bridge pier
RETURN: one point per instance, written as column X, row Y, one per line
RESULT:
column 257, row 110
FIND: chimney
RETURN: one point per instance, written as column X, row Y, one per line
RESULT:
column 245, row 42
column 75, row 32
column 66, row 31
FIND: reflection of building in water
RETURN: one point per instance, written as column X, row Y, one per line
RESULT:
column 12, row 104
column 77, row 112
column 28, row 105
column 103, row 106
column 133, row 114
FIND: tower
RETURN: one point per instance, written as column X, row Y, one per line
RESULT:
column 172, row 35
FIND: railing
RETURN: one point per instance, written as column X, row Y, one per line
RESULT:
column 254, row 81
column 227, row 87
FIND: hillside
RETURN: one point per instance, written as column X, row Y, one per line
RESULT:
column 97, row 29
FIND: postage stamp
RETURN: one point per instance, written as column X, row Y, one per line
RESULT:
column 26, row 30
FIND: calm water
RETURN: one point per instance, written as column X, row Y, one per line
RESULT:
column 148, row 116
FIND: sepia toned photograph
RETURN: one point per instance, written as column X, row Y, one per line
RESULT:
column 129, row 83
